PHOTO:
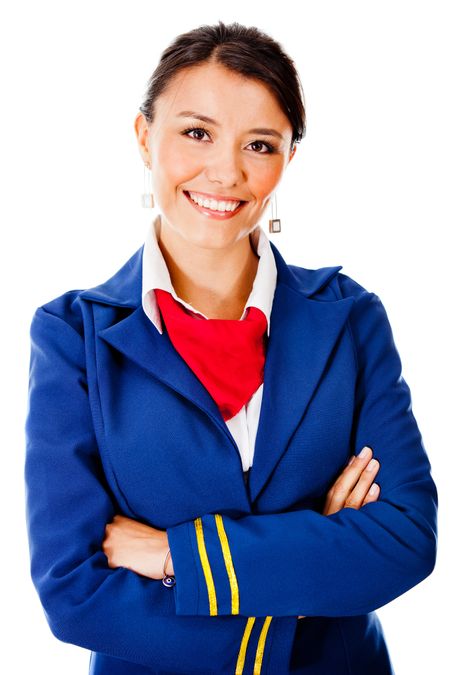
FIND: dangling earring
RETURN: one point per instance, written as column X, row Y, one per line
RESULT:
column 147, row 196
column 274, row 223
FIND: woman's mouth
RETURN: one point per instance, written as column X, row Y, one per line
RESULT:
column 220, row 210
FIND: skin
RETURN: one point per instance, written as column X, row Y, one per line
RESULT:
column 211, row 263
column 142, row 548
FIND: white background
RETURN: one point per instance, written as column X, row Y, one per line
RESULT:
column 368, row 189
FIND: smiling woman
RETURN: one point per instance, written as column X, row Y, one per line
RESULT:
column 191, row 419
column 230, row 154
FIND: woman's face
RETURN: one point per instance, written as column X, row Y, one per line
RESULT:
column 240, row 153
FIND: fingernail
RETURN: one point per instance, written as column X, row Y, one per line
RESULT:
column 350, row 461
column 373, row 489
column 371, row 465
column 364, row 452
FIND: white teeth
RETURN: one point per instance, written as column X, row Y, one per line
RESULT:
column 213, row 204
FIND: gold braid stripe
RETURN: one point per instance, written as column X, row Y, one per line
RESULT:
column 243, row 649
column 234, row 594
column 206, row 567
column 228, row 564
column 261, row 644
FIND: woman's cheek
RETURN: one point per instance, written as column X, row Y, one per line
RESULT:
column 263, row 180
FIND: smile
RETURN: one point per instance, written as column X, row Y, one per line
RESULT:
column 219, row 210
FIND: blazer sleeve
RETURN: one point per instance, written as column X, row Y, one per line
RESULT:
column 68, row 504
column 348, row 563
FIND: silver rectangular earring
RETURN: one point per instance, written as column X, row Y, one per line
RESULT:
column 274, row 223
column 147, row 200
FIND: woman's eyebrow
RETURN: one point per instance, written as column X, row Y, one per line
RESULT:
column 258, row 130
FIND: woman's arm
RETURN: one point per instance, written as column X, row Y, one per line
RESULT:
column 142, row 548
column 68, row 503
column 350, row 562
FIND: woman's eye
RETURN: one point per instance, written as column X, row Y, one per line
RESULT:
column 269, row 147
column 186, row 132
column 199, row 130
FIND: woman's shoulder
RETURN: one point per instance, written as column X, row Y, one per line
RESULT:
column 328, row 283
column 350, row 287
column 64, row 307
column 122, row 289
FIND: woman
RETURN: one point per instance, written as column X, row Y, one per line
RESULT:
column 191, row 506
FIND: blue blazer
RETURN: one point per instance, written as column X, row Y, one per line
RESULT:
column 118, row 423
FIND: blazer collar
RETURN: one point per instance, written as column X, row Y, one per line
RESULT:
column 303, row 335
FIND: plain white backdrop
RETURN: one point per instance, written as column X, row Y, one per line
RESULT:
column 367, row 189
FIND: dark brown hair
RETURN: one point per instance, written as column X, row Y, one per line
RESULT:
column 244, row 50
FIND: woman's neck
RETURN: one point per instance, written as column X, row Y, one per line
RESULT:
column 215, row 283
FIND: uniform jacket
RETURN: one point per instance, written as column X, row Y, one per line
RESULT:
column 118, row 423
column 155, row 274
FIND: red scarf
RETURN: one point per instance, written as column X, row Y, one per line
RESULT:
column 227, row 355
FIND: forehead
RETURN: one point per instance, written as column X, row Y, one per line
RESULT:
column 216, row 91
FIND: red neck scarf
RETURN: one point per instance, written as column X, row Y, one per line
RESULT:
column 227, row 355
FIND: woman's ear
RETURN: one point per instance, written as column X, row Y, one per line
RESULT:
column 142, row 134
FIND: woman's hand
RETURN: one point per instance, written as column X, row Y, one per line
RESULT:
column 352, row 488
column 139, row 547
column 142, row 548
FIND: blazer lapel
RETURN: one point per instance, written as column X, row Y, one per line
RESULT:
column 303, row 334
column 138, row 339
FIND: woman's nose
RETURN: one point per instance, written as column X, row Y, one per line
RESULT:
column 225, row 165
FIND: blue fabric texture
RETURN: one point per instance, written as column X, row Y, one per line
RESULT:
column 118, row 423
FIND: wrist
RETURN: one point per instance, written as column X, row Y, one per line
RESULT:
column 167, row 564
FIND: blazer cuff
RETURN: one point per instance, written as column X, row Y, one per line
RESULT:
column 206, row 582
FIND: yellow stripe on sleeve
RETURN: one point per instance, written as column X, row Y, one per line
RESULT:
column 261, row 645
column 243, row 649
column 206, row 567
column 228, row 564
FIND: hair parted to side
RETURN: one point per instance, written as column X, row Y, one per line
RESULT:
column 243, row 49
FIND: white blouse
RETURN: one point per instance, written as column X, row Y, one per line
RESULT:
column 155, row 274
